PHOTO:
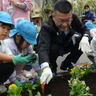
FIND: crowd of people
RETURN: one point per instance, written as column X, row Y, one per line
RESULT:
column 56, row 38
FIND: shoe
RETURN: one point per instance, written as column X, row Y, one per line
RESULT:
column 27, row 74
column 65, row 66
column 93, row 66
column 3, row 88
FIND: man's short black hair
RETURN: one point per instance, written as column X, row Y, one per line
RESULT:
column 86, row 6
column 63, row 6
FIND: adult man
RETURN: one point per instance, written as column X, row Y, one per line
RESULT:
column 57, row 38
column 87, row 15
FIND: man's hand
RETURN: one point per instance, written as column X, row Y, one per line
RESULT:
column 46, row 75
column 84, row 45
column 24, row 58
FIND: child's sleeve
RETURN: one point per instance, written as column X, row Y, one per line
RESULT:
column 28, row 4
column 93, row 32
column 6, row 49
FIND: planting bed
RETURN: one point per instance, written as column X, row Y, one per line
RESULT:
column 59, row 85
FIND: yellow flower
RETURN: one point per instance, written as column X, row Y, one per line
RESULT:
column 67, row 68
column 83, row 72
column 78, row 66
column 12, row 86
column 85, row 69
column 72, row 71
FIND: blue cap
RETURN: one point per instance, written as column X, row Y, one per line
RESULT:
column 89, row 25
column 27, row 30
column 6, row 18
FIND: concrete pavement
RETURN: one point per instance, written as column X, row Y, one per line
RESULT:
column 82, row 60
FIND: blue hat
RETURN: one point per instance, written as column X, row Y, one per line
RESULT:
column 89, row 25
column 27, row 30
column 6, row 18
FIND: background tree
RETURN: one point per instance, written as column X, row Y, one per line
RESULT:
column 78, row 7
column 47, row 8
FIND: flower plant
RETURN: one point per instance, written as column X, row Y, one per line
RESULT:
column 29, row 85
column 79, row 88
column 79, row 72
column 38, row 94
column 13, row 90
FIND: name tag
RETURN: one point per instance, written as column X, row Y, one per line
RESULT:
column 73, row 40
column 10, row 9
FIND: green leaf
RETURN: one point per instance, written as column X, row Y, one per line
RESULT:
column 38, row 94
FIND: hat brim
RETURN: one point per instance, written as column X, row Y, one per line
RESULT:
column 12, row 25
column 31, row 41
column 12, row 32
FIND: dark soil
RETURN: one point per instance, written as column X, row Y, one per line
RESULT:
column 59, row 86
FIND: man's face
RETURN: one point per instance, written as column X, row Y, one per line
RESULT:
column 61, row 20
column 86, row 9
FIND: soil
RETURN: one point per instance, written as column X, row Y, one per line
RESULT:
column 59, row 85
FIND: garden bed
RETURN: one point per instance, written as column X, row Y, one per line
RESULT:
column 59, row 85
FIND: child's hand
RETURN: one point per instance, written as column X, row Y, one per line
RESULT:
column 23, row 58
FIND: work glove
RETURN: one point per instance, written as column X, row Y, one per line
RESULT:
column 46, row 75
column 24, row 58
column 34, row 58
column 84, row 45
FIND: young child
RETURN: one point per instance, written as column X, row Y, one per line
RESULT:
column 7, row 60
column 21, row 40
column 91, row 27
column 92, row 52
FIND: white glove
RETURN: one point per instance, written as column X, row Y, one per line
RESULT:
column 84, row 45
column 46, row 75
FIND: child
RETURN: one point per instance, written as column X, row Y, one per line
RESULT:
column 20, row 41
column 7, row 60
column 91, row 27
column 92, row 53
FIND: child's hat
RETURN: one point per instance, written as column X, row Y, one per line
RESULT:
column 6, row 18
column 27, row 30
column 89, row 25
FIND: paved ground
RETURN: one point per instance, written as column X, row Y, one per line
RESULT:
column 82, row 60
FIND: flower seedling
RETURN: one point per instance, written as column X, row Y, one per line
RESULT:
column 79, row 72
column 13, row 90
column 38, row 94
column 79, row 88
column 29, row 85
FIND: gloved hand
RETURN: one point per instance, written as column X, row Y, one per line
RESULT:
column 46, row 75
column 34, row 58
column 23, row 58
column 84, row 45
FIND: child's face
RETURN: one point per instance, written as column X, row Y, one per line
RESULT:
column 4, row 30
column 25, row 45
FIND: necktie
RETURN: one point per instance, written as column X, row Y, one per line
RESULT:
column 61, row 49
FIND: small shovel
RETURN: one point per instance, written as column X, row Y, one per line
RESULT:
column 42, row 88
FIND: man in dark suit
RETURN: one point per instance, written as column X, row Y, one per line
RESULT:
column 56, row 38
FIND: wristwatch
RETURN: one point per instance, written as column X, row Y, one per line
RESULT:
column 17, row 3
